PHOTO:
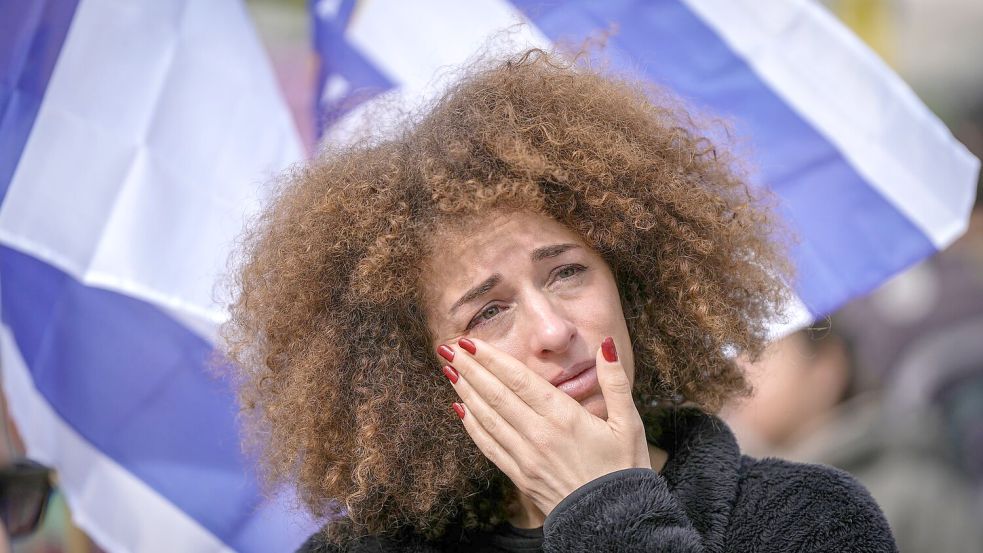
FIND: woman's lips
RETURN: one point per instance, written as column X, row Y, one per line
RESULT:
column 581, row 385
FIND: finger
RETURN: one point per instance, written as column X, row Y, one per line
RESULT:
column 614, row 384
column 535, row 391
column 496, row 393
column 487, row 444
column 493, row 423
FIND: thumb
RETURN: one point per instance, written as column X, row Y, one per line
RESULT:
column 614, row 383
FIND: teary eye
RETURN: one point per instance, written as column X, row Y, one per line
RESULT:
column 484, row 316
column 489, row 312
column 569, row 270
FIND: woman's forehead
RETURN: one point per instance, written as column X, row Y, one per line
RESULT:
column 501, row 232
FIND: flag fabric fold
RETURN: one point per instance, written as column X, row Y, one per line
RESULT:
column 141, row 135
column 869, row 180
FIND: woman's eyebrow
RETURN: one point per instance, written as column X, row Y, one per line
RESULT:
column 540, row 253
column 477, row 291
column 554, row 250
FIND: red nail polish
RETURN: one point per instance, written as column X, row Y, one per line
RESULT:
column 458, row 409
column 468, row 345
column 608, row 350
column 445, row 352
column 451, row 374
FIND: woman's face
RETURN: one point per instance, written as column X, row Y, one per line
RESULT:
column 529, row 286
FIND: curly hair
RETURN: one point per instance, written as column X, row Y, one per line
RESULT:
column 341, row 393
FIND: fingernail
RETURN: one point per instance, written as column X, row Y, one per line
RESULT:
column 608, row 350
column 451, row 374
column 445, row 352
column 458, row 409
column 468, row 345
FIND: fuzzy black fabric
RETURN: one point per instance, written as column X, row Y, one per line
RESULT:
column 708, row 498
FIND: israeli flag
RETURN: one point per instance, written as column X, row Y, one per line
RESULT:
column 135, row 137
column 869, row 179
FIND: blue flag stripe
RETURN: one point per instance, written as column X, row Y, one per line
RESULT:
column 665, row 42
column 352, row 78
column 31, row 37
column 136, row 384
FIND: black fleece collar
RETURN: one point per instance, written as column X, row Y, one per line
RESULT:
column 702, row 471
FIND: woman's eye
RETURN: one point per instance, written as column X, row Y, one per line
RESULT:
column 569, row 271
column 566, row 272
column 488, row 313
column 484, row 315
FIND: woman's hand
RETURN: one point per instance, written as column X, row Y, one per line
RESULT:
column 542, row 439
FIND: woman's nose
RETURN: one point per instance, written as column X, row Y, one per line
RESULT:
column 548, row 327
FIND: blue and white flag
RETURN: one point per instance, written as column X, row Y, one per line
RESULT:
column 134, row 138
column 868, row 178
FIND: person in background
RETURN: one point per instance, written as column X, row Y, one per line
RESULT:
column 813, row 404
column 25, row 485
column 34, row 516
column 892, row 392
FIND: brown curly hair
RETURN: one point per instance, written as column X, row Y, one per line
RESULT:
column 340, row 388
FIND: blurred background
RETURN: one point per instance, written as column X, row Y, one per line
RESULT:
column 890, row 388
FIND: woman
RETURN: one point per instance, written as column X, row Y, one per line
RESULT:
column 566, row 263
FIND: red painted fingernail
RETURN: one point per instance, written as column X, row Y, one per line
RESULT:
column 445, row 352
column 451, row 374
column 608, row 350
column 458, row 409
column 468, row 345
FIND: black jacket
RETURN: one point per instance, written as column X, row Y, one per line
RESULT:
column 708, row 497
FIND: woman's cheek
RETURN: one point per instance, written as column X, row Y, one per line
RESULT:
column 502, row 336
